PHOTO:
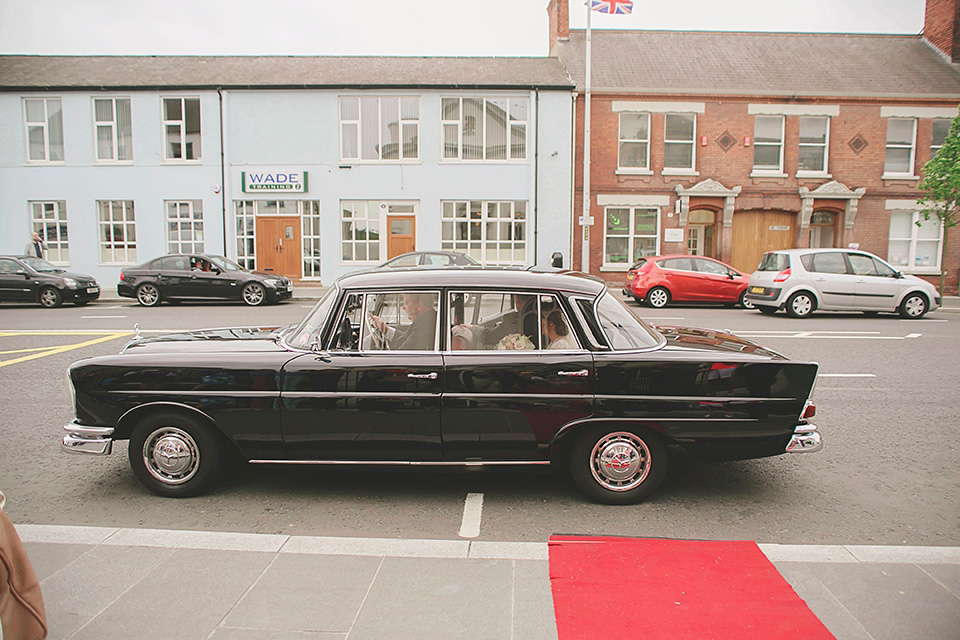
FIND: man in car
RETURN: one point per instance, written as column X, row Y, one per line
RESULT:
column 419, row 334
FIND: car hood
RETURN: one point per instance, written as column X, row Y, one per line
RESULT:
column 81, row 277
column 693, row 339
column 231, row 339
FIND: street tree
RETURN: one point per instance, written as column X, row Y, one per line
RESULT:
column 941, row 189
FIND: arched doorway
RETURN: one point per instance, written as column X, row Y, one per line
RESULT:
column 756, row 232
column 700, row 233
column 823, row 230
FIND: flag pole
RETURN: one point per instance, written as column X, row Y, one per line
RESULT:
column 585, row 230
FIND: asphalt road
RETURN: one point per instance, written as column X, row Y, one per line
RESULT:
column 886, row 404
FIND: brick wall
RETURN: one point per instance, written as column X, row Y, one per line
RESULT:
column 940, row 27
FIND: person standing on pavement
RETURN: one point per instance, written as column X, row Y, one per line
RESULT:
column 36, row 247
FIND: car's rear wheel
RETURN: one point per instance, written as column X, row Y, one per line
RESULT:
column 746, row 304
column 253, row 294
column 914, row 306
column 148, row 295
column 50, row 298
column 618, row 466
column 174, row 455
column 767, row 311
column 801, row 304
column 658, row 297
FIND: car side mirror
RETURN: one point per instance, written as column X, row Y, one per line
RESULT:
column 898, row 275
column 216, row 270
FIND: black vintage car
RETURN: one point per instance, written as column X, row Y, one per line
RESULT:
column 461, row 366
column 30, row 279
column 178, row 277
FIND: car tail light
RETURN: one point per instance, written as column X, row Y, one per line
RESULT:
column 121, row 275
column 809, row 411
column 783, row 275
column 647, row 266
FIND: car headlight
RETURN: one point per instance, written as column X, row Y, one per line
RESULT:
column 70, row 283
column 271, row 283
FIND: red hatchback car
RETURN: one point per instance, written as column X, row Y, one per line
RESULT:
column 660, row 280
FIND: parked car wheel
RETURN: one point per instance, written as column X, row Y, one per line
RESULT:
column 746, row 304
column 618, row 466
column 801, row 304
column 658, row 297
column 148, row 295
column 50, row 298
column 914, row 306
column 174, row 455
column 253, row 294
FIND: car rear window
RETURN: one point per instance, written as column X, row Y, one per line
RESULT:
column 830, row 262
column 774, row 262
column 638, row 264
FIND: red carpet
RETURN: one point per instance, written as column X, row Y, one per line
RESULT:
column 651, row 588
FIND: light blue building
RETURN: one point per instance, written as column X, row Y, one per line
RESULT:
column 307, row 166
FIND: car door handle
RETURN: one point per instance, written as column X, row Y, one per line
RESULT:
column 423, row 376
column 582, row 373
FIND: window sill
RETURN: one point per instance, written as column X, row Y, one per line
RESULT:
column 919, row 271
column 816, row 175
column 347, row 164
column 519, row 161
column 615, row 268
column 45, row 163
column 767, row 174
column 173, row 162
column 894, row 176
column 634, row 172
column 113, row 163
column 680, row 172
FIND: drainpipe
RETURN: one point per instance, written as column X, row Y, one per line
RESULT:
column 223, row 176
column 536, row 175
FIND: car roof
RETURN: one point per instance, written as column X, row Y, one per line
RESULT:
column 818, row 250
column 475, row 276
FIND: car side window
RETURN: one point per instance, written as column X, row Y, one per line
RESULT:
column 496, row 320
column 172, row 264
column 862, row 265
column 680, row 264
column 831, row 262
column 399, row 321
column 406, row 261
column 8, row 266
column 436, row 259
column 708, row 266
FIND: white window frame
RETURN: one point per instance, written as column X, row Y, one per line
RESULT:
column 245, row 225
column 116, row 135
column 374, row 221
column 630, row 235
column 644, row 170
column 119, row 212
column 46, row 126
column 823, row 146
column 520, row 125
column 912, row 147
column 478, row 218
column 182, row 124
column 916, row 216
column 679, row 142
column 310, row 225
column 358, row 125
column 48, row 218
column 935, row 148
column 180, row 217
column 766, row 170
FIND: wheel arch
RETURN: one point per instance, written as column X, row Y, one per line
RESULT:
column 909, row 292
column 129, row 420
column 564, row 438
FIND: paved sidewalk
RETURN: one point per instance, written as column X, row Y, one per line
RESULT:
column 102, row 583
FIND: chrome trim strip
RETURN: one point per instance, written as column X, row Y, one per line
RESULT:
column 358, row 394
column 511, row 396
column 717, row 399
column 215, row 392
column 408, row 463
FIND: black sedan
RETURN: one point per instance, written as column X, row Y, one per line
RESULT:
column 445, row 367
column 29, row 279
column 430, row 258
column 200, row 277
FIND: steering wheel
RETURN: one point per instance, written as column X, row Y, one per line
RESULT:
column 379, row 339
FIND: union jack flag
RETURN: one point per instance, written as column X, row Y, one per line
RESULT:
column 612, row 6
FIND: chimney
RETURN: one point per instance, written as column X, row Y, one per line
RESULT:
column 941, row 27
column 558, row 12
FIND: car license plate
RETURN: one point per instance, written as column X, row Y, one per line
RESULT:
column 756, row 289
column 629, row 276
column 93, row 289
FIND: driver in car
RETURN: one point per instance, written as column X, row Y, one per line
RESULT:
column 419, row 335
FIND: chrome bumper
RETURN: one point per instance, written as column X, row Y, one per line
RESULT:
column 96, row 441
column 805, row 439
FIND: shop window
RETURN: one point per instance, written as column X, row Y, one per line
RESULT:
column 185, row 226
column 360, row 231
column 629, row 234
column 49, row 219
column 915, row 242
column 491, row 232
column 118, row 232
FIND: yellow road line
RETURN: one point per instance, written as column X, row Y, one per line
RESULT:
column 25, row 350
column 64, row 348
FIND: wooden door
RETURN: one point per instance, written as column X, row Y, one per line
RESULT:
column 402, row 233
column 756, row 232
column 278, row 245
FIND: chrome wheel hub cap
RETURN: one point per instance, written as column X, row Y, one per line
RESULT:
column 620, row 461
column 171, row 455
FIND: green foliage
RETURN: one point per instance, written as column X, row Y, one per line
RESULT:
column 941, row 180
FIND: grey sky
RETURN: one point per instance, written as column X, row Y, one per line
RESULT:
column 397, row 27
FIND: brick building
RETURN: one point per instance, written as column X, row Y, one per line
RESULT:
column 732, row 144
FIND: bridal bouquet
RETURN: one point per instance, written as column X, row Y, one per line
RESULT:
column 515, row 342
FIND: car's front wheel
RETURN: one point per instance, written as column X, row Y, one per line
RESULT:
column 914, row 306
column 50, row 298
column 658, row 297
column 253, row 294
column 148, row 295
column 618, row 466
column 801, row 304
column 174, row 455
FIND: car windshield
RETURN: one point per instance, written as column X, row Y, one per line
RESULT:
column 225, row 264
column 625, row 331
column 306, row 333
column 774, row 262
column 38, row 264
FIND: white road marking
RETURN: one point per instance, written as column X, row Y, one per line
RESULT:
column 914, row 335
column 847, row 375
column 91, row 317
column 472, row 509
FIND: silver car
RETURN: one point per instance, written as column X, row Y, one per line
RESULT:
column 801, row 281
